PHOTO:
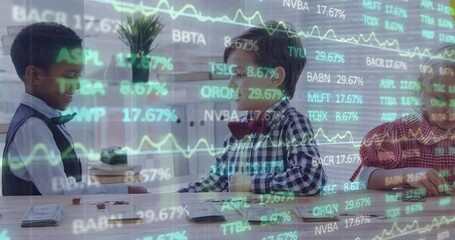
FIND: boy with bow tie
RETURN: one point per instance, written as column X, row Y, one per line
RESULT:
column 38, row 148
column 264, row 78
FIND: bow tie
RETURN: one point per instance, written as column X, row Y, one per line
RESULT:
column 63, row 118
column 240, row 129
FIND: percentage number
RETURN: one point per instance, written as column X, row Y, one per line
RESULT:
column 349, row 98
column 178, row 235
column 347, row 116
column 354, row 186
column 262, row 72
column 358, row 203
column 152, row 62
column 140, row 89
column 350, row 80
column 91, row 23
column 163, row 215
column 283, row 236
column 149, row 115
column 267, row 94
column 414, row 208
column 352, row 222
column 151, row 174
column 269, row 198
column 329, row 57
column 241, row 43
column 331, row 12
column 164, row 62
column 276, row 218
column 396, row 11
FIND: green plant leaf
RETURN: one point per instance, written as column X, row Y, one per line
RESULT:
column 139, row 33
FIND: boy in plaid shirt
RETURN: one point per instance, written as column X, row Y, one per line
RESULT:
column 417, row 151
column 272, row 148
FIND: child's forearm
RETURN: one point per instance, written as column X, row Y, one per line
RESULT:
column 383, row 179
column 426, row 178
column 293, row 179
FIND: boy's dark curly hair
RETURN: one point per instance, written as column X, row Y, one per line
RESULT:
column 39, row 44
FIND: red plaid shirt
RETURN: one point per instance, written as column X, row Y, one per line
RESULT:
column 409, row 142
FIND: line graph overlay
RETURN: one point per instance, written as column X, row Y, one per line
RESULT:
column 201, row 145
column 240, row 18
column 395, row 231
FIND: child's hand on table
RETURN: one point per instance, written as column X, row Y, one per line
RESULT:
column 427, row 178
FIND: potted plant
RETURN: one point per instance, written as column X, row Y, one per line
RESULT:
column 138, row 33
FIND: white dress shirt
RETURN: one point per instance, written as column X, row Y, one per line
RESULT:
column 34, row 156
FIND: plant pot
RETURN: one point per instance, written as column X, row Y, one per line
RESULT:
column 140, row 67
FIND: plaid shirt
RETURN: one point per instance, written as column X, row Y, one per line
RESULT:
column 282, row 159
column 409, row 142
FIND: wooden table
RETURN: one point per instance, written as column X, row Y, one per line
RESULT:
column 430, row 220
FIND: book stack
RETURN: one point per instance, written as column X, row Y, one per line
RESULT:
column 123, row 214
column 42, row 215
column 105, row 174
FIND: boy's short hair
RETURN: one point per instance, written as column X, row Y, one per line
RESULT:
column 39, row 43
column 440, row 63
column 274, row 41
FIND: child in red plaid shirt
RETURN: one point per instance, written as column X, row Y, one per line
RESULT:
column 272, row 148
column 417, row 151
